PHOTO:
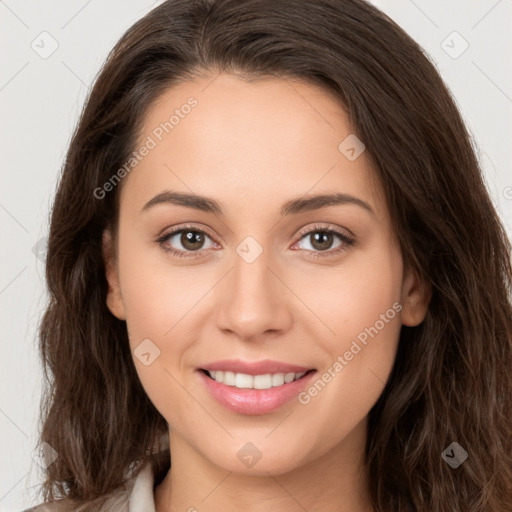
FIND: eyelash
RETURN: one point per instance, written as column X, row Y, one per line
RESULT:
column 347, row 241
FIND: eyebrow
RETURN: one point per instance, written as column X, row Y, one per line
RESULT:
column 294, row 206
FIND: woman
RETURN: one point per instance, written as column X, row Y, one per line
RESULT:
column 273, row 261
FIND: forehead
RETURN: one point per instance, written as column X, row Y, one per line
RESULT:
column 238, row 141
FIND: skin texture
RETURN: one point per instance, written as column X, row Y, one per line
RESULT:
column 252, row 146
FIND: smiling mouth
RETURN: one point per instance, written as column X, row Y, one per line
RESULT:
column 246, row 381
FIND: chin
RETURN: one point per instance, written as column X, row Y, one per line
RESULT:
column 251, row 458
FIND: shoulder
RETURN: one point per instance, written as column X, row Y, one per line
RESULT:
column 111, row 502
column 135, row 495
column 63, row 505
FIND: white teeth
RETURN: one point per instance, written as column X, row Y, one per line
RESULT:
column 278, row 379
column 262, row 381
column 244, row 381
column 229, row 378
column 241, row 380
column 288, row 377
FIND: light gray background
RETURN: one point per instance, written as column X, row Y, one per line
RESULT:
column 40, row 99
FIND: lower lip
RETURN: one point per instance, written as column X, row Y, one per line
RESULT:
column 254, row 401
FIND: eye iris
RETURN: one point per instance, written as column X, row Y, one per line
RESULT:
column 190, row 238
column 322, row 240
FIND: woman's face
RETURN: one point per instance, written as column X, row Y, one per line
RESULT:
column 267, row 282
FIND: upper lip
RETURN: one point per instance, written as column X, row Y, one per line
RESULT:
column 254, row 367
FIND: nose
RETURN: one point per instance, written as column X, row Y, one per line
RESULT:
column 255, row 302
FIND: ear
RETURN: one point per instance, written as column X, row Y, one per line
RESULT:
column 114, row 298
column 416, row 295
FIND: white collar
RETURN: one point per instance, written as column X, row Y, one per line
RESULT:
column 141, row 496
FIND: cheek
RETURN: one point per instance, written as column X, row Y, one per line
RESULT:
column 162, row 305
column 359, row 303
column 155, row 296
column 352, row 296
column 156, row 306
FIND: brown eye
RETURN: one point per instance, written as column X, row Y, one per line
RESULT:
column 185, row 242
column 321, row 240
column 192, row 240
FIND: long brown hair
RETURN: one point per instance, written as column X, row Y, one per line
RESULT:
column 452, row 377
